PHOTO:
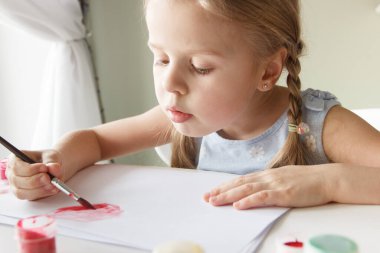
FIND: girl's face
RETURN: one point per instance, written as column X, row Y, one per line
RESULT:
column 205, row 73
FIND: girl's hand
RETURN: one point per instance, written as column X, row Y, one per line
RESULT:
column 31, row 181
column 289, row 186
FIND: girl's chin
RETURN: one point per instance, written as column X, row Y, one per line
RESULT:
column 191, row 131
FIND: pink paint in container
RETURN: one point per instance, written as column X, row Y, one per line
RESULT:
column 36, row 234
column 4, row 186
column 3, row 168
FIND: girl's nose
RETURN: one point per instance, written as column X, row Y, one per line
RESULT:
column 174, row 81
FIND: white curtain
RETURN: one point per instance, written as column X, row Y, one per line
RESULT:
column 68, row 94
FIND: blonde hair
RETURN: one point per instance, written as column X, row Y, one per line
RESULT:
column 270, row 26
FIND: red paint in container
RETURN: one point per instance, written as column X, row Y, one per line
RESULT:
column 4, row 185
column 3, row 168
column 36, row 234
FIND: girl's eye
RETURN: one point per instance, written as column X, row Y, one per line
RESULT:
column 202, row 71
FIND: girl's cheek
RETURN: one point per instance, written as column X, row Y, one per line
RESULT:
column 159, row 93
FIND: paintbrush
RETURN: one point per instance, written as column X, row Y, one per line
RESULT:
column 55, row 181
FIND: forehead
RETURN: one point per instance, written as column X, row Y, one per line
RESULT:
column 185, row 23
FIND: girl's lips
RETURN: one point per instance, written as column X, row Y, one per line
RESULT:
column 178, row 116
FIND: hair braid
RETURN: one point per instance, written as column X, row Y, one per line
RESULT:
column 294, row 84
column 294, row 151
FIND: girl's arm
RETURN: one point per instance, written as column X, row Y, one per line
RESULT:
column 83, row 148
column 352, row 142
column 353, row 176
column 133, row 134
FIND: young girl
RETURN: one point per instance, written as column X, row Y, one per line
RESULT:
column 216, row 65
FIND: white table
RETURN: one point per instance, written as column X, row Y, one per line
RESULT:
column 359, row 222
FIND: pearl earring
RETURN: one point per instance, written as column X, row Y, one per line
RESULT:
column 265, row 86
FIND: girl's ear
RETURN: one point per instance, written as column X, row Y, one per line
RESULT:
column 272, row 70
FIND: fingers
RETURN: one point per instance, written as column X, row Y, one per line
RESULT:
column 31, row 187
column 257, row 189
column 33, row 194
column 248, row 196
column 23, row 169
column 225, row 187
column 35, row 181
column 239, row 181
column 31, row 181
column 259, row 199
column 237, row 193
column 288, row 186
column 55, row 169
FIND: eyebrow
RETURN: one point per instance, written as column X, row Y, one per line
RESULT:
column 200, row 51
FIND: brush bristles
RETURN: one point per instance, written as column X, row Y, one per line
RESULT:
column 85, row 203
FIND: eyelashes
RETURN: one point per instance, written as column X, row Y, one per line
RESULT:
column 201, row 71
column 198, row 70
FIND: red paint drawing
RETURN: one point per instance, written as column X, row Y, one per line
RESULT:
column 80, row 213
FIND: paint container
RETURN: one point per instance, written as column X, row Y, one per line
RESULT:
column 330, row 244
column 4, row 185
column 3, row 167
column 36, row 234
column 289, row 244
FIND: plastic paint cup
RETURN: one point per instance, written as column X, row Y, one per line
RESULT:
column 36, row 234
column 330, row 244
column 3, row 167
column 4, row 186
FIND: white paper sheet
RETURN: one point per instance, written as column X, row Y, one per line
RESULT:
column 160, row 204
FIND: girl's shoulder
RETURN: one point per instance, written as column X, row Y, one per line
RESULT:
column 317, row 100
column 315, row 106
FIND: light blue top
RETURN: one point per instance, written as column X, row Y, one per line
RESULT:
column 244, row 156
